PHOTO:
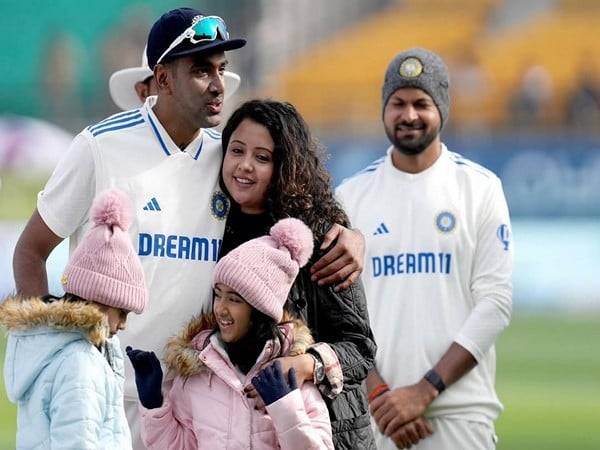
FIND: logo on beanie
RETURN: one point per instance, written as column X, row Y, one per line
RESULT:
column 411, row 68
column 63, row 280
column 445, row 221
column 219, row 205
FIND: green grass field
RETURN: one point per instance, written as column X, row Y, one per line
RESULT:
column 18, row 194
column 548, row 379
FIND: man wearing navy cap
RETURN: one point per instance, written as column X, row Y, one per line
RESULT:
column 167, row 157
column 129, row 87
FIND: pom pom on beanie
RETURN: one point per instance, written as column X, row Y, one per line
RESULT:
column 111, row 208
column 294, row 235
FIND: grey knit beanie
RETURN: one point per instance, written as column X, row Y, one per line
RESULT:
column 422, row 69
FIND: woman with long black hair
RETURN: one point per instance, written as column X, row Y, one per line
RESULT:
column 271, row 170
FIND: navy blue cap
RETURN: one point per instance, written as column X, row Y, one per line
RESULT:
column 170, row 25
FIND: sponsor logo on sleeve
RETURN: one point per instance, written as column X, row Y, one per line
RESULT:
column 503, row 234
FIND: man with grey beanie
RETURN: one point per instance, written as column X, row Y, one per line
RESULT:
column 437, row 273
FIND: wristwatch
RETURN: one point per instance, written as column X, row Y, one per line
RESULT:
column 435, row 380
column 319, row 372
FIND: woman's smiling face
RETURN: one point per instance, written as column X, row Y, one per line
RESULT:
column 248, row 166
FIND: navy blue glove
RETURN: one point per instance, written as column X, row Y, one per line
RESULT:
column 271, row 385
column 148, row 377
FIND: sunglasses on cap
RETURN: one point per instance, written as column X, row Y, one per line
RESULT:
column 202, row 29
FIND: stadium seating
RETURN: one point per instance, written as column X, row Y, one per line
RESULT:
column 339, row 84
column 562, row 41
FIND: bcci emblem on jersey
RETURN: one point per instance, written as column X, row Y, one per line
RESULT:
column 445, row 221
column 219, row 205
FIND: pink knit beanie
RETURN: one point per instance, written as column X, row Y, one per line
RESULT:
column 263, row 270
column 105, row 267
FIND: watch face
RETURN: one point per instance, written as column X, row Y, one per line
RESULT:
column 319, row 371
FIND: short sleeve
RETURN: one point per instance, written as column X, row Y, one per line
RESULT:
column 66, row 199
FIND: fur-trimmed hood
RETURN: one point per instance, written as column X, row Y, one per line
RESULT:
column 40, row 331
column 22, row 314
column 183, row 350
column 56, row 375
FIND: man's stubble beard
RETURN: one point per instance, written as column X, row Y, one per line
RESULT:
column 412, row 147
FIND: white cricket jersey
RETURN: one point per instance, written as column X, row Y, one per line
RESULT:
column 179, row 213
column 437, row 270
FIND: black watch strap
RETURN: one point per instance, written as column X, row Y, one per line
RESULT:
column 435, row 380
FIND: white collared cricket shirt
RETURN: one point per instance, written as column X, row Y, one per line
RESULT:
column 437, row 270
column 179, row 213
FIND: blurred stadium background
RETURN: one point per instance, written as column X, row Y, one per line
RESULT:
column 525, row 103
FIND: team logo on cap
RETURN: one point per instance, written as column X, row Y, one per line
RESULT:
column 219, row 205
column 445, row 221
column 411, row 68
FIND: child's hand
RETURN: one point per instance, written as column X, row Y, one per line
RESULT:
column 271, row 385
column 252, row 394
column 148, row 377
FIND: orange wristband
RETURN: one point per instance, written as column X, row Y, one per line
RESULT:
column 377, row 391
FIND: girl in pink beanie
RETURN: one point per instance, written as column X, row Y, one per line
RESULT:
column 64, row 365
column 219, row 354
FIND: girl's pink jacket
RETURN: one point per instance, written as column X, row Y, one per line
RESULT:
column 206, row 407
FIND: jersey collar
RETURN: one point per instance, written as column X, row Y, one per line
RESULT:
column 193, row 149
column 411, row 177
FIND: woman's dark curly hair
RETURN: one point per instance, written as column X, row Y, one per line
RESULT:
column 301, row 185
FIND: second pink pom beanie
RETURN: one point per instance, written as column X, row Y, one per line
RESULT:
column 105, row 268
column 263, row 270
